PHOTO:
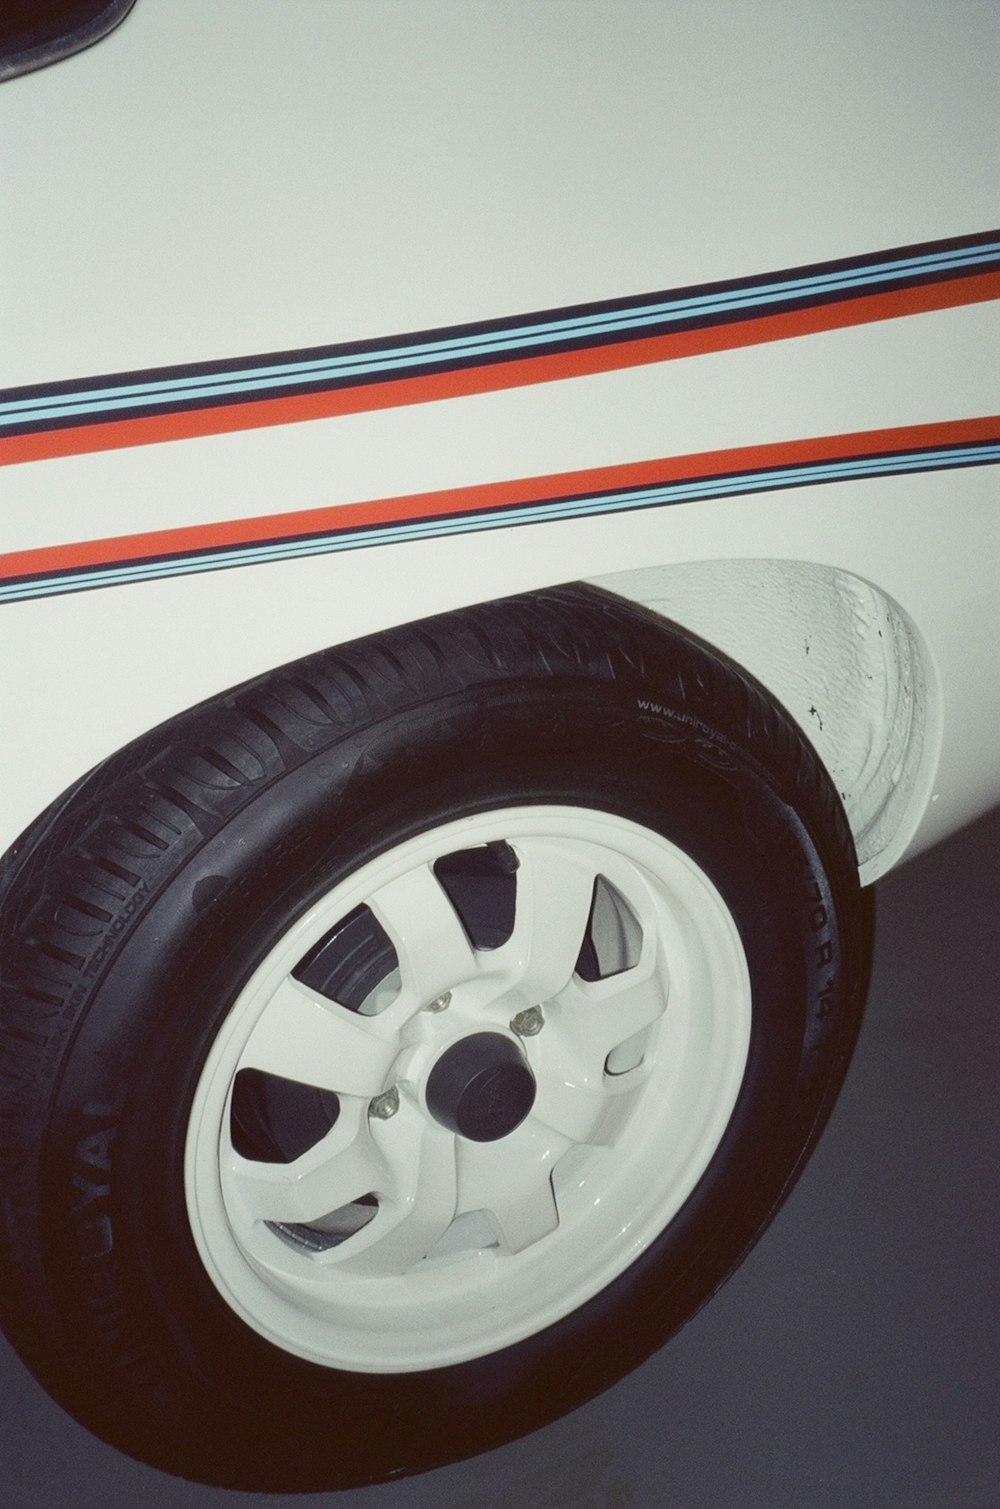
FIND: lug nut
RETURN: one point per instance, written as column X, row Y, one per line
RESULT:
column 528, row 1023
column 440, row 1003
column 386, row 1105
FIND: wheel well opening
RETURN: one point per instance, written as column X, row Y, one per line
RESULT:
column 841, row 657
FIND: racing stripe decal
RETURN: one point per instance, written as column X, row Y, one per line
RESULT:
column 614, row 489
column 178, row 403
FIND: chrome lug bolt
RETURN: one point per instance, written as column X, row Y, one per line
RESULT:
column 385, row 1105
column 528, row 1023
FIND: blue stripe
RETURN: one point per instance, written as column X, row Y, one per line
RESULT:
column 532, row 338
column 545, row 511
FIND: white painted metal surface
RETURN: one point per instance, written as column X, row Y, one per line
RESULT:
column 237, row 180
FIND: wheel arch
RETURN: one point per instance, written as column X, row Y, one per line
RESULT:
column 845, row 661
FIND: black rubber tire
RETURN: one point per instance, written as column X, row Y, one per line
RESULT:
column 134, row 910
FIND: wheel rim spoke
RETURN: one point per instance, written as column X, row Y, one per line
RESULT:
column 555, row 887
column 340, row 1169
column 433, row 950
column 577, row 1096
column 417, row 1198
column 599, row 1020
column 302, row 1036
column 512, row 1183
column 580, row 1113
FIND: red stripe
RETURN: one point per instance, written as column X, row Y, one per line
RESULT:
column 455, row 502
column 522, row 371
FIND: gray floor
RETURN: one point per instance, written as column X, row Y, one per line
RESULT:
column 852, row 1363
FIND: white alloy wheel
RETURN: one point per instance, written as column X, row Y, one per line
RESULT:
column 397, row 1241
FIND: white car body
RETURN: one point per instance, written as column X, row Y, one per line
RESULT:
column 802, row 467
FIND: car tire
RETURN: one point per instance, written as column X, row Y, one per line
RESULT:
column 400, row 1047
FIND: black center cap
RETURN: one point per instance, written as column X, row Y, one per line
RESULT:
column 481, row 1087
